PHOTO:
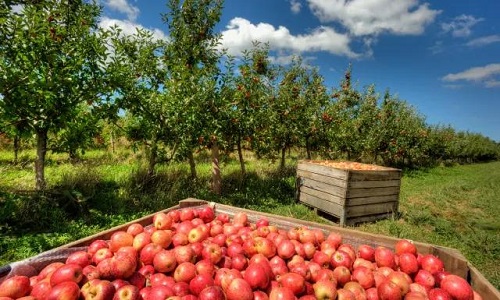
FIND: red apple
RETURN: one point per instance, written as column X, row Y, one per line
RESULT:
column 164, row 261
column 40, row 289
column 239, row 289
column 431, row 263
column 162, row 237
column 160, row 292
column 101, row 255
column 82, row 258
column 408, row 263
column 161, row 279
column 141, row 240
column 281, row 293
column 325, row 289
column 67, row 290
column 207, row 214
column 96, row 245
column 223, row 217
column 439, row 294
column 293, row 281
column 212, row 293
column 384, row 257
column 402, row 280
column 185, row 272
column 148, row 253
column 341, row 258
column 200, row 282
column 364, row 277
column 388, row 290
column 457, row 287
column 334, row 238
column 180, row 239
column 127, row 292
column 162, row 221
column 286, row 249
column 366, row 252
column 405, row 246
column 343, row 294
column 97, row 289
column 240, row 218
column 256, row 276
column 186, row 214
column 135, row 228
column 342, row 274
column 425, row 278
column 205, row 266
column 15, row 287
column 120, row 239
column 358, row 291
column 212, row 252
column 69, row 272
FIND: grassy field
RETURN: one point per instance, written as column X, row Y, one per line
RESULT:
column 457, row 206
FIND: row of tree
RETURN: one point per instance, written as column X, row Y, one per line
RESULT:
column 63, row 77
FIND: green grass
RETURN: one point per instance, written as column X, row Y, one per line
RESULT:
column 451, row 206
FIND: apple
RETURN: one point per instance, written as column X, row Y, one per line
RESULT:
column 212, row 252
column 360, row 262
column 15, row 287
column 101, row 255
column 408, row 263
column 207, row 214
column 343, row 294
column 67, row 272
column 371, row 294
column 224, row 276
column 405, row 246
column 161, row 279
column 341, row 258
column 358, row 291
column 200, row 282
column 67, row 290
column 40, row 289
column 97, row 289
column 384, row 257
column 120, row 239
column 184, row 253
column 335, row 238
column 185, row 272
column 325, row 289
column 147, row 270
column 138, row 279
column 439, row 294
column 457, row 287
column 180, row 239
column 292, row 281
column 205, row 266
column 96, row 245
column 82, row 258
column 135, row 228
column 148, row 253
column 415, row 296
column 186, row 214
column 160, row 292
column 364, row 277
column 425, row 278
column 90, row 272
column 223, row 217
column 164, row 261
column 281, row 293
column 388, row 290
column 431, row 263
column 123, row 265
column 256, row 276
column 260, row 295
column 239, row 262
column 401, row 279
column 162, row 237
column 239, row 289
column 141, row 240
column 309, row 250
column 342, row 275
column 127, row 292
column 162, row 221
column 322, row 259
column 366, row 252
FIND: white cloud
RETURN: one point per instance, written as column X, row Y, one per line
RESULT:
column 460, row 26
column 240, row 33
column 124, row 7
column 296, row 6
column 372, row 17
column 129, row 28
column 488, row 75
column 483, row 41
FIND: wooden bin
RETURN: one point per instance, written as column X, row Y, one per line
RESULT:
column 351, row 192
column 453, row 260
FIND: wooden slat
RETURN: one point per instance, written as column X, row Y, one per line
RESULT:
column 374, row 183
column 322, row 178
column 371, row 200
column 355, row 220
column 324, row 187
column 322, row 195
column 326, row 206
column 354, row 193
column 323, row 170
column 374, row 175
column 371, row 209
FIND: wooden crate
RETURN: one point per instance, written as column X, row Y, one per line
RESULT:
column 454, row 261
column 351, row 192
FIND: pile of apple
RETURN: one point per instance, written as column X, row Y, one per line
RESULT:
column 191, row 253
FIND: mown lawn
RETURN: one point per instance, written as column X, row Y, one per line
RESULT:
column 457, row 206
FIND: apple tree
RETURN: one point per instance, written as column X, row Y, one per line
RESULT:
column 51, row 63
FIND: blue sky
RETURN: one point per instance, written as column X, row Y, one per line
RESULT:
column 443, row 57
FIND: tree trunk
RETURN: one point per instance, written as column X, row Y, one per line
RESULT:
column 240, row 156
column 152, row 158
column 216, row 177
column 41, row 151
column 17, row 142
column 192, row 165
column 308, row 149
column 112, row 141
column 283, row 153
